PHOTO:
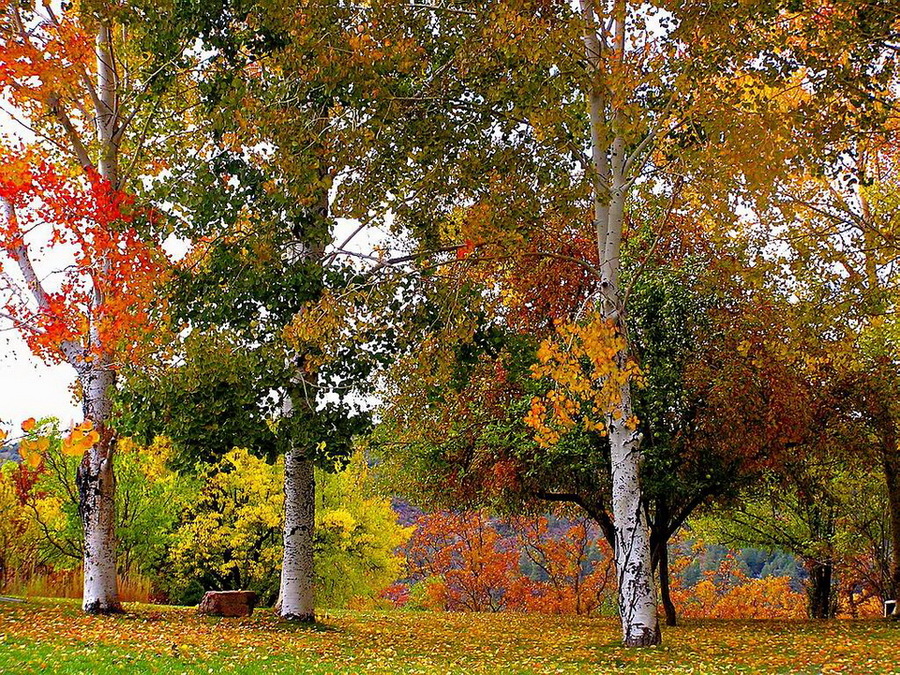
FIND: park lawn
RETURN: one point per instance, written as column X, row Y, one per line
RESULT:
column 52, row 636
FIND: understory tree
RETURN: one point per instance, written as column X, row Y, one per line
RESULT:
column 231, row 536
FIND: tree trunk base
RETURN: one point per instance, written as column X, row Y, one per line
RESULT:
column 648, row 638
column 299, row 618
column 298, row 564
column 101, row 608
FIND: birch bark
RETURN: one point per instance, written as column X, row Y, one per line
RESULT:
column 96, row 478
column 297, row 569
column 297, row 591
column 637, row 592
column 96, row 492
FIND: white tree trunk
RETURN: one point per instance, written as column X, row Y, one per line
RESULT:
column 297, row 592
column 297, row 570
column 107, row 113
column 610, row 185
column 96, row 491
column 97, row 505
column 637, row 592
column 96, row 479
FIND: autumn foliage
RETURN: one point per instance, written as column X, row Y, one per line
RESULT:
column 587, row 363
column 92, row 224
column 727, row 592
column 467, row 561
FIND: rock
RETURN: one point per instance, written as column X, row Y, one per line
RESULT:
column 228, row 603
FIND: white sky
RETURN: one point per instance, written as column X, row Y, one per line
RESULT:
column 28, row 386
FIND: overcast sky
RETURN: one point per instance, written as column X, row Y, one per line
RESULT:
column 29, row 387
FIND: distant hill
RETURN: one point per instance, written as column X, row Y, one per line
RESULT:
column 10, row 453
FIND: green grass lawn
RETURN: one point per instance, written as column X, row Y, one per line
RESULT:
column 51, row 636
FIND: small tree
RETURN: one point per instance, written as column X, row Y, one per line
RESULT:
column 94, row 320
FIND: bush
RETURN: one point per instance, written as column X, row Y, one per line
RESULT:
column 231, row 537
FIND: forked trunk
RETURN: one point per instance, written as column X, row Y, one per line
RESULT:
column 97, row 498
column 822, row 600
column 297, row 570
column 610, row 186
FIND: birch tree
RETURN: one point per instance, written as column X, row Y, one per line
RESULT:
column 526, row 177
column 527, row 115
column 281, row 88
column 77, row 92
column 612, row 167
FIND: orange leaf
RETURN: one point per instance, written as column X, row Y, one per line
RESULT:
column 72, row 448
column 29, row 453
column 465, row 250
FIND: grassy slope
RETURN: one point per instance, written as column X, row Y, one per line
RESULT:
column 52, row 636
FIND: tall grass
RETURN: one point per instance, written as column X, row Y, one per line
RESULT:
column 133, row 586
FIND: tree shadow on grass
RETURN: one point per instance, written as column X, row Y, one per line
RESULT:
column 317, row 626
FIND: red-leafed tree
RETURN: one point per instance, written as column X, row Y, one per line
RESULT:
column 62, row 205
column 575, row 565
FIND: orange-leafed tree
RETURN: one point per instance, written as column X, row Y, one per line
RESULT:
column 575, row 564
column 463, row 557
column 77, row 278
column 727, row 592
column 466, row 561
